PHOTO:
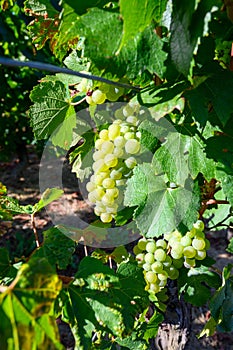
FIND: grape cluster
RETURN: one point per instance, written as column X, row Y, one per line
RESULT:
column 157, row 264
column 100, row 94
column 161, row 259
column 114, row 159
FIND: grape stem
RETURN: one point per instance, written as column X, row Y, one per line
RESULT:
column 221, row 222
column 78, row 102
column 35, row 230
column 208, row 202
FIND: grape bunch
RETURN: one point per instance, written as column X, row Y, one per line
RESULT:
column 114, row 158
column 157, row 264
column 190, row 247
column 161, row 259
column 101, row 93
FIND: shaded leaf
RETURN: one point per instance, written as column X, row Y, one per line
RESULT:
column 48, row 196
column 56, row 248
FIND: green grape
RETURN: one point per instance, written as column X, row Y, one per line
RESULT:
column 99, row 166
column 98, row 155
column 100, row 177
column 146, row 267
column 114, row 93
column 162, row 295
column 191, row 233
column 129, row 135
column 198, row 243
column 107, row 147
column 110, row 160
column 127, row 111
column 114, row 131
column 154, row 288
column 132, row 120
column 161, row 243
column 112, row 209
column 200, row 255
column 119, row 141
column 103, row 134
column 130, row 162
column 136, row 249
column 120, row 182
column 92, row 197
column 114, row 192
column 173, row 273
column 108, row 183
column 149, row 258
column 90, row 186
column 151, row 247
column 115, row 174
column 168, row 261
column 98, row 143
column 162, row 283
column 157, row 267
column 163, row 276
column 132, row 146
column 177, row 247
column 107, row 200
column 176, row 255
column 105, row 217
column 186, row 241
column 142, row 243
column 90, row 100
column 118, row 152
column 98, row 97
column 167, row 236
column 188, row 263
column 160, row 255
column 207, row 244
column 140, row 257
column 151, row 277
column 189, row 252
column 199, row 234
column 99, row 193
column 178, row 263
column 199, row 225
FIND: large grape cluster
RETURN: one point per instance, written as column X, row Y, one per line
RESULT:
column 114, row 157
column 161, row 259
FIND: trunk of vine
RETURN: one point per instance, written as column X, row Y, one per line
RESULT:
column 174, row 331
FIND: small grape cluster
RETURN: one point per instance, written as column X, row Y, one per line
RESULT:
column 158, row 266
column 99, row 95
column 190, row 247
column 161, row 259
column 114, row 159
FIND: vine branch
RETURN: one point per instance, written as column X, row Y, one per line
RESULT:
column 55, row 69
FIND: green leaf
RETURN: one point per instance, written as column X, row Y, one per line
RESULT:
column 188, row 24
column 56, row 248
column 50, row 110
column 217, row 148
column 48, row 196
column 137, row 15
column 40, row 8
column 171, row 207
column 230, row 246
column 181, row 156
column 81, row 7
column 12, row 205
column 227, row 183
column 196, row 284
column 25, row 307
column 152, row 326
column 81, row 157
column 103, row 298
column 6, row 269
column 222, row 302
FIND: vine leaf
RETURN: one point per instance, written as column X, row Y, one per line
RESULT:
column 48, row 196
column 25, row 308
column 138, row 16
column 102, row 299
column 168, row 210
column 226, row 182
column 222, row 302
column 56, row 248
column 196, row 284
column 6, row 269
column 50, row 111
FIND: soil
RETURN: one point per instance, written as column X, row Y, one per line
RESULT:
column 22, row 181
